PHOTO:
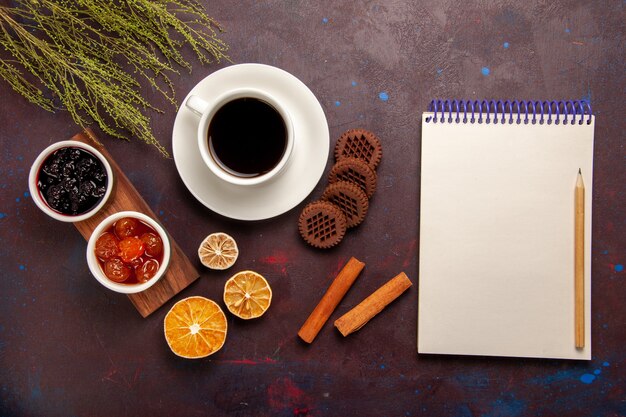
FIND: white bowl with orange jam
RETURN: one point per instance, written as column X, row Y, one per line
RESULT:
column 128, row 252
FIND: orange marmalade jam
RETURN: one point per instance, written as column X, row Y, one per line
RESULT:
column 129, row 251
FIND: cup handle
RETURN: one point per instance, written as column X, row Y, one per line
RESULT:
column 196, row 105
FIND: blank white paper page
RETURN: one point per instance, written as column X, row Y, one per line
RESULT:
column 496, row 261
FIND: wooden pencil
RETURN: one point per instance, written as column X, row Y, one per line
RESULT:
column 579, row 262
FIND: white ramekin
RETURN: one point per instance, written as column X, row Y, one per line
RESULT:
column 41, row 202
column 94, row 265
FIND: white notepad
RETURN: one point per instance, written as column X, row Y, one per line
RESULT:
column 496, row 260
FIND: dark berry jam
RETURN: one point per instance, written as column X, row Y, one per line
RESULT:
column 72, row 181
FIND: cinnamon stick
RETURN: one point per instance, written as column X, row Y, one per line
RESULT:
column 339, row 287
column 356, row 318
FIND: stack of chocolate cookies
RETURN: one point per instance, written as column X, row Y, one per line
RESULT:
column 351, row 183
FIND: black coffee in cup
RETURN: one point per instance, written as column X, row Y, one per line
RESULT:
column 247, row 137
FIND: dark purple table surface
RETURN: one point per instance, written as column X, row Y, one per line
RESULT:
column 70, row 347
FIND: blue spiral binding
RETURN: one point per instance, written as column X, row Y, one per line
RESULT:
column 549, row 112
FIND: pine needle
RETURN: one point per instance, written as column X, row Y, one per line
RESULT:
column 90, row 57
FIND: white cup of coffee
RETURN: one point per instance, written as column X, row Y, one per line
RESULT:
column 245, row 136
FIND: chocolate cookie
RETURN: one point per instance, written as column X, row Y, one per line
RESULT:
column 350, row 199
column 356, row 171
column 322, row 224
column 359, row 143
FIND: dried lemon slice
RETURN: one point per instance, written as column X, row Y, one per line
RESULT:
column 195, row 328
column 247, row 295
column 218, row 251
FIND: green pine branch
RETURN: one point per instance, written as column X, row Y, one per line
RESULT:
column 90, row 57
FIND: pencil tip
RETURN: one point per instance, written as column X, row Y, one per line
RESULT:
column 579, row 171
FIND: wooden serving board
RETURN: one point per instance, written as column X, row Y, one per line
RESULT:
column 124, row 196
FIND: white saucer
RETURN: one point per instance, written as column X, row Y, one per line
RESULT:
column 296, row 180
